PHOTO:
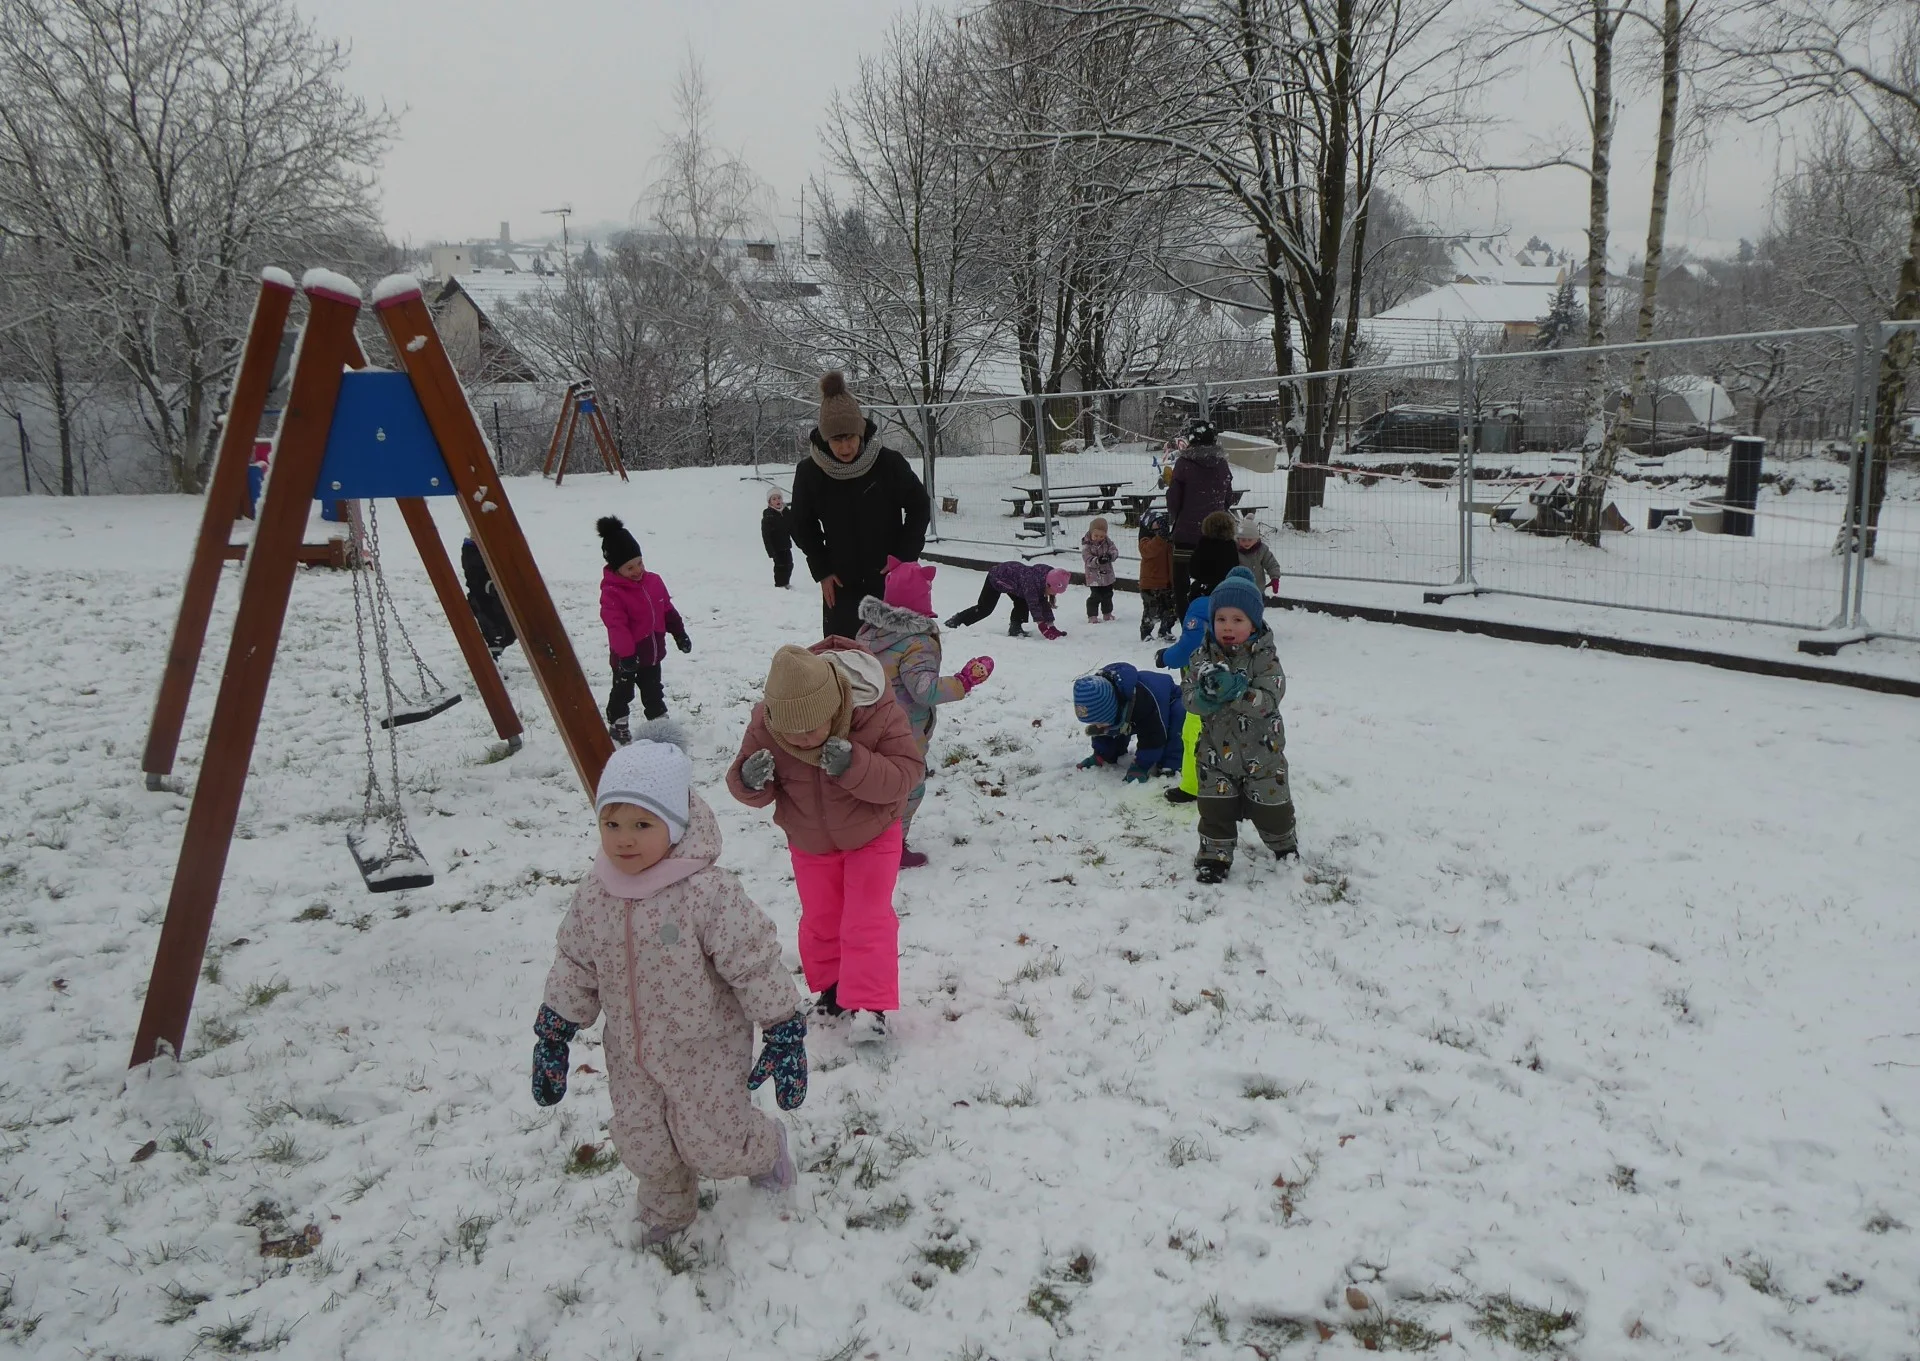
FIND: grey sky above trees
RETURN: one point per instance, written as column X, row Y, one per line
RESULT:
column 508, row 110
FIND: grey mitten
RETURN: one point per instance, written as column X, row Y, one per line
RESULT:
column 757, row 770
column 836, row 754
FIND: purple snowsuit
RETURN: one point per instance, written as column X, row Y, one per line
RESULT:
column 1024, row 581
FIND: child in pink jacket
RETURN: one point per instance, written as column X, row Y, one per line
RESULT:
column 684, row 966
column 639, row 615
column 834, row 754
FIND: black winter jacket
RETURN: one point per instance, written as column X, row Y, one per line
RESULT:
column 774, row 532
column 1212, row 560
column 850, row 528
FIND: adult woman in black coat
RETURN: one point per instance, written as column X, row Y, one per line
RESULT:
column 1202, row 483
column 855, row 504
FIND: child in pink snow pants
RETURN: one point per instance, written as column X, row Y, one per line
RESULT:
column 835, row 756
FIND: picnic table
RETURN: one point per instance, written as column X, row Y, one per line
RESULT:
column 1096, row 497
column 1139, row 503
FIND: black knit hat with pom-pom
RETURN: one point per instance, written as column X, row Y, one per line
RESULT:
column 617, row 544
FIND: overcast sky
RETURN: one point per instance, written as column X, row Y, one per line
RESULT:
column 509, row 108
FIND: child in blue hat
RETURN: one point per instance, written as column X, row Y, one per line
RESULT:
column 1234, row 682
column 1121, row 705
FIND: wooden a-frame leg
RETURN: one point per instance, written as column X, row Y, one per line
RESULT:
column 225, row 491
column 609, row 451
column 266, row 584
column 559, row 423
column 491, row 521
column 566, row 449
column 466, row 629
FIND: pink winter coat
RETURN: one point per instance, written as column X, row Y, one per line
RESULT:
column 638, row 615
column 683, row 975
column 818, row 813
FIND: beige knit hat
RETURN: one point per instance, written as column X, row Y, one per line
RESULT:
column 839, row 413
column 803, row 691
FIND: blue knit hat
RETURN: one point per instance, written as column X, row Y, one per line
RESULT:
column 1239, row 591
column 1094, row 700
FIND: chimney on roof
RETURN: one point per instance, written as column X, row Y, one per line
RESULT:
column 506, row 237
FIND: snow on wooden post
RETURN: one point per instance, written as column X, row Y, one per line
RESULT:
column 326, row 344
column 225, row 490
column 495, row 530
column 466, row 629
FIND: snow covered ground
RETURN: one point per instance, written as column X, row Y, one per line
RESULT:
column 1586, row 1026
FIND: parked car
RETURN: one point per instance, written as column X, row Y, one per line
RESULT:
column 1408, row 429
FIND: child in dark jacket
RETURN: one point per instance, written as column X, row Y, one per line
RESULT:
column 1234, row 682
column 777, row 535
column 489, row 611
column 1121, row 705
column 1158, row 607
column 639, row 615
column 1214, row 557
column 1034, row 587
column 1098, row 554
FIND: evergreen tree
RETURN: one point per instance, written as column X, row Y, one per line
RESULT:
column 1565, row 322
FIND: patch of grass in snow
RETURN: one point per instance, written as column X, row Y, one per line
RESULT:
column 364, row 1183
column 1757, row 1272
column 567, row 1295
column 264, row 994
column 955, row 755
column 26, row 1325
column 181, row 1303
column 230, row 1338
column 1046, row 1302
column 1392, row 1333
column 1623, row 1178
column 847, row 1350
column 283, row 1150
column 1525, row 1327
column 1045, row 966
column 1184, row 1150
column 470, row 1236
column 216, row 1032
column 1265, row 1089
column 1019, row 1099
column 1676, row 1001
column 189, row 1139
column 1454, row 1038
column 888, row 1216
column 1023, row 1017
column 1882, row 1222
column 319, row 912
column 211, row 968
column 1268, row 1334
column 949, row 1256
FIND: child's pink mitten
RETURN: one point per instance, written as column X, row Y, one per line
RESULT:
column 975, row 671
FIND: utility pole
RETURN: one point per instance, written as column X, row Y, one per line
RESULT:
column 564, row 211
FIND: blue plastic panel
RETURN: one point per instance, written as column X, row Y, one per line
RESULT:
column 380, row 445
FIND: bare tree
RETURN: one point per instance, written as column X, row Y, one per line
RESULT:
column 1285, row 116
column 168, row 149
column 1862, row 60
column 907, row 302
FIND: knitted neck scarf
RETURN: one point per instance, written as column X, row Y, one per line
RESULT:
column 845, row 472
column 841, row 726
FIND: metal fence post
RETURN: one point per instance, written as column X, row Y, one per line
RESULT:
column 1856, row 437
column 1040, row 453
column 1202, row 407
column 1869, row 435
column 928, row 428
column 1469, row 446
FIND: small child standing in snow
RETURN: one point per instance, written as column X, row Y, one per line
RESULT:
column 1255, row 556
column 684, row 965
column 489, row 611
column 1121, row 704
column 833, row 754
column 639, row 615
column 1034, row 587
column 900, row 630
column 1213, row 557
column 1098, row 554
column 1158, row 607
column 777, row 536
column 1234, row 682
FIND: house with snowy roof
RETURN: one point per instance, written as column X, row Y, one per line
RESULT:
column 490, row 318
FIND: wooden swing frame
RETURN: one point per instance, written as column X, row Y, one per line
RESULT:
column 580, row 403
column 327, row 348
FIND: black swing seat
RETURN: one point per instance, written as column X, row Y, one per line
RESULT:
column 420, row 710
column 405, row 867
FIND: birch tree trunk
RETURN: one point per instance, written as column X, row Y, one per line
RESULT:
column 1592, row 499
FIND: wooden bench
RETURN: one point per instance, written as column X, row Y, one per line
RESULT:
column 1139, row 503
column 1095, row 497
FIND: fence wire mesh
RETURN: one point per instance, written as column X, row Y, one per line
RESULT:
column 1464, row 472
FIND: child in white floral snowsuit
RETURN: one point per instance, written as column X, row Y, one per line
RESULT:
column 1098, row 555
column 684, row 965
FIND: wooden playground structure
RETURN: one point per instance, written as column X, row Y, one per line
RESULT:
column 355, row 434
column 579, row 404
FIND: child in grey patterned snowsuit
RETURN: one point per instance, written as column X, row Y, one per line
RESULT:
column 1234, row 683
